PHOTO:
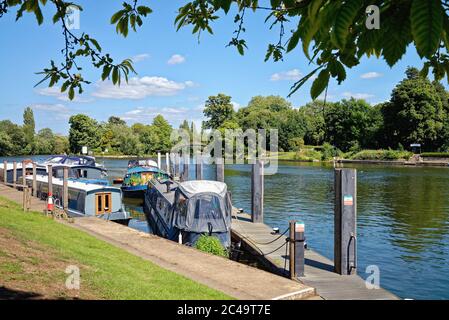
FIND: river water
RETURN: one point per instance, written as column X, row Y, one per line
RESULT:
column 403, row 217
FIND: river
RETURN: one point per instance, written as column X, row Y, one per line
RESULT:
column 403, row 217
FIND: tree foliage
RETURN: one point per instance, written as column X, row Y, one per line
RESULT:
column 218, row 109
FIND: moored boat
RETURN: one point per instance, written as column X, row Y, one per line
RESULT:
column 85, row 199
column 138, row 175
column 187, row 210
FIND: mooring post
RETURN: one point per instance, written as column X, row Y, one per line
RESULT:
column 24, row 185
column 175, row 165
column 159, row 162
column 167, row 162
column 65, row 189
column 5, row 172
column 34, row 180
column 345, row 221
column 14, row 174
column 291, row 245
column 50, row 180
column 219, row 166
column 299, row 249
column 257, row 186
column 199, row 167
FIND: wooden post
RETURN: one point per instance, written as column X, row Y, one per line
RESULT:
column 219, row 166
column 199, row 167
column 175, row 165
column 257, row 192
column 24, row 186
column 14, row 173
column 345, row 221
column 34, row 180
column 292, row 249
column 5, row 172
column 65, row 189
column 167, row 162
column 50, row 180
column 159, row 162
column 299, row 249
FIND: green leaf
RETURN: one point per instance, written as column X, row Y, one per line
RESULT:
column 427, row 25
column 345, row 18
column 293, row 42
column 71, row 93
column 320, row 84
column 115, row 75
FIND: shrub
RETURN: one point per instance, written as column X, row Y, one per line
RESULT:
column 329, row 151
column 381, row 155
column 435, row 154
column 308, row 155
column 211, row 245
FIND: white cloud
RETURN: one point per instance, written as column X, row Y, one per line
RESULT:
column 140, row 57
column 176, row 59
column 294, row 74
column 55, row 111
column 56, row 92
column 140, row 88
column 236, row 105
column 174, row 115
column 365, row 96
column 371, row 75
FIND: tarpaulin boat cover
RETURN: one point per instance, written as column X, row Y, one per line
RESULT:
column 202, row 206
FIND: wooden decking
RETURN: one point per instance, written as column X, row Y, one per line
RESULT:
column 271, row 253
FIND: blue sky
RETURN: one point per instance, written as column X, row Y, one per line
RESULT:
column 176, row 74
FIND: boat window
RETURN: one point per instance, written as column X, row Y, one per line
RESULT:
column 207, row 211
column 103, row 203
column 55, row 160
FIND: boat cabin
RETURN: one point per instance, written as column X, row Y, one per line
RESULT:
column 85, row 199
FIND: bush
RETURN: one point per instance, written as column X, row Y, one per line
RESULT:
column 381, row 155
column 329, row 151
column 211, row 245
column 435, row 154
column 308, row 155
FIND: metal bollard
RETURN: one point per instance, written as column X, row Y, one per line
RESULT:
column 299, row 249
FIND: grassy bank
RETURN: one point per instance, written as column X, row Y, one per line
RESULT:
column 323, row 154
column 35, row 252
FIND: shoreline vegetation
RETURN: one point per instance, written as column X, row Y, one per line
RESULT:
column 37, row 250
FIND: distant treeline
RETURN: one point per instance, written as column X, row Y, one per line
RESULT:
column 418, row 112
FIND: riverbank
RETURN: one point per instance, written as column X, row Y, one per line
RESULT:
column 35, row 252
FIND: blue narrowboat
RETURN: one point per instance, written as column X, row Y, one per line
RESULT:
column 138, row 175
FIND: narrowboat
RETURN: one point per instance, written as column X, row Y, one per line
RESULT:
column 80, row 167
column 85, row 199
column 185, row 211
column 139, row 173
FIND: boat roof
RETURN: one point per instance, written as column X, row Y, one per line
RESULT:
column 70, row 160
column 75, row 184
column 142, row 163
column 194, row 187
column 142, row 169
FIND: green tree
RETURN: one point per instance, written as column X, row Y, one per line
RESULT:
column 45, row 142
column 62, row 145
column 84, row 131
column 163, row 130
column 14, row 140
column 29, row 128
column 218, row 109
column 348, row 122
column 113, row 120
column 415, row 113
column 313, row 115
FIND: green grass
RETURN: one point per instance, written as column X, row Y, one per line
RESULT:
column 435, row 155
column 112, row 272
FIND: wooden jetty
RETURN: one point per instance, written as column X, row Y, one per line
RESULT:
column 270, row 250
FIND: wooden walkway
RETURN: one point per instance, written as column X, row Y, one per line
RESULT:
column 271, row 253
